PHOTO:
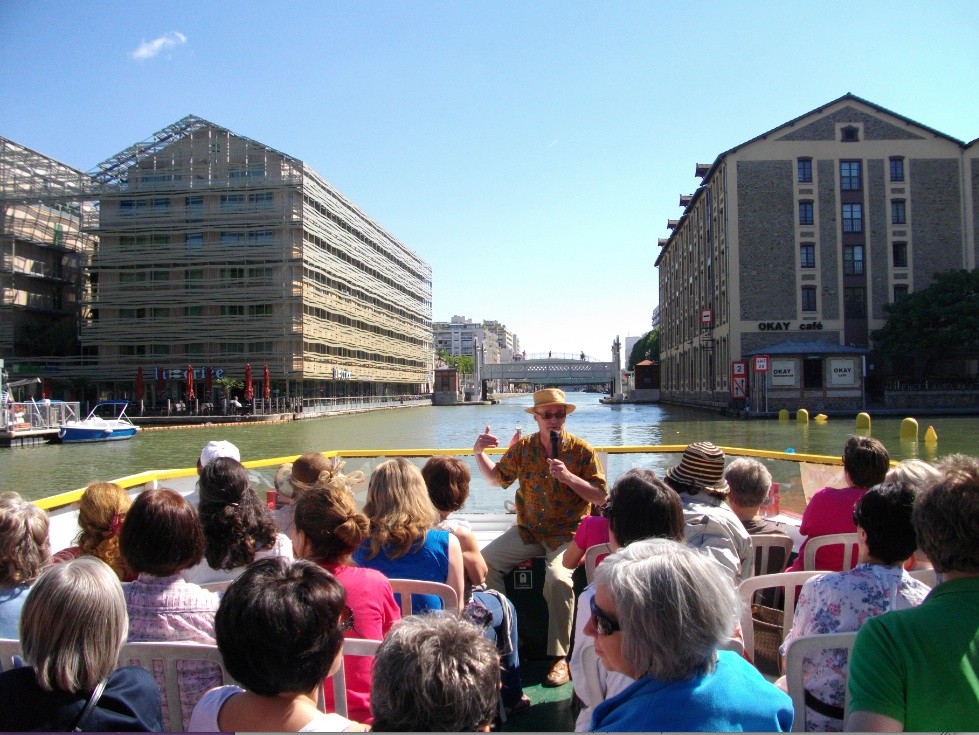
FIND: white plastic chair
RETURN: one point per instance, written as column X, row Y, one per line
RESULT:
column 928, row 576
column 9, row 650
column 408, row 587
column 788, row 582
column 848, row 540
column 351, row 647
column 169, row 654
column 591, row 559
column 762, row 545
column 217, row 586
column 794, row 658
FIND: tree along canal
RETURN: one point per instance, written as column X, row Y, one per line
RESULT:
column 45, row 470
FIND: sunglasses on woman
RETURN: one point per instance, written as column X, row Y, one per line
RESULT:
column 600, row 620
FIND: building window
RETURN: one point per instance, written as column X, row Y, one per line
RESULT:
column 850, row 175
column 900, row 292
column 805, row 213
column 160, row 312
column 232, row 238
column 232, row 202
column 809, row 298
column 232, row 348
column 899, row 213
column 195, row 348
column 258, row 238
column 195, row 240
column 853, row 260
column 897, row 169
column 194, row 311
column 852, row 218
column 232, row 274
column 850, row 134
column 259, row 310
column 261, row 200
column 900, row 252
column 233, row 310
column 812, row 372
column 807, row 255
column 805, row 170
column 246, row 170
column 193, row 277
column 160, row 349
column 855, row 303
column 194, row 208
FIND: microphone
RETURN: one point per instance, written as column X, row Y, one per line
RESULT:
column 555, row 442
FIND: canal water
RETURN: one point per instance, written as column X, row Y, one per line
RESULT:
column 45, row 470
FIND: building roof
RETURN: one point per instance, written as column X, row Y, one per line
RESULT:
column 805, row 348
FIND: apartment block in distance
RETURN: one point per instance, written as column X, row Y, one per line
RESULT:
column 44, row 256
column 216, row 251
column 792, row 245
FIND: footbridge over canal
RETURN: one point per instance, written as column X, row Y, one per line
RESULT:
column 550, row 372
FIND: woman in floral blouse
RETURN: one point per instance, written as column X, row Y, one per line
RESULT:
column 839, row 602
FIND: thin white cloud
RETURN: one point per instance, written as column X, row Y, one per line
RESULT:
column 149, row 49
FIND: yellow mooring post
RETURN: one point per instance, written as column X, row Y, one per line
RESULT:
column 783, row 415
column 931, row 436
column 909, row 430
column 863, row 422
column 802, row 416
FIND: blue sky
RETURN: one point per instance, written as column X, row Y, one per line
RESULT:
column 531, row 152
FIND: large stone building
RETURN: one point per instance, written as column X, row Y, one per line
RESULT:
column 44, row 255
column 462, row 336
column 216, row 251
column 793, row 244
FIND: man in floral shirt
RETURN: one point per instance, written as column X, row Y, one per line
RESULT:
column 558, row 484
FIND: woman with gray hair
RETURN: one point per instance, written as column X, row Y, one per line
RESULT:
column 24, row 552
column 659, row 614
column 71, row 680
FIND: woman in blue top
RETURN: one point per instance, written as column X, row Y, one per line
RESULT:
column 403, row 542
column 660, row 611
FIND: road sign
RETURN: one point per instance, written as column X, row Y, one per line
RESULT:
column 739, row 386
column 739, row 367
column 761, row 363
column 706, row 317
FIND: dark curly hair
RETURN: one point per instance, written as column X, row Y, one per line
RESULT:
column 236, row 523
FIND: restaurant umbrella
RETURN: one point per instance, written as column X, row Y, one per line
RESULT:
column 161, row 385
column 208, row 384
column 190, row 384
column 266, row 386
column 139, row 384
column 249, row 390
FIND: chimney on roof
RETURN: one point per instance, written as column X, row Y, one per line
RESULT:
column 702, row 169
column 672, row 223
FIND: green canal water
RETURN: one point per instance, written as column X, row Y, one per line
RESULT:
column 45, row 470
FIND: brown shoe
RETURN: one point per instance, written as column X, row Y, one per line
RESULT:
column 558, row 674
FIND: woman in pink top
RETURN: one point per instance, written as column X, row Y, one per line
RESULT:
column 592, row 531
column 327, row 530
column 865, row 464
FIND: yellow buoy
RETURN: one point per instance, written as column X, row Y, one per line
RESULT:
column 802, row 416
column 909, row 430
column 821, row 418
column 783, row 415
column 931, row 437
column 863, row 421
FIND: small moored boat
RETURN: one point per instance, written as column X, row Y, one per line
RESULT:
column 106, row 422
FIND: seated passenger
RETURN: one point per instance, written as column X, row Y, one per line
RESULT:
column 238, row 527
column 292, row 478
column 435, row 674
column 101, row 511
column 592, row 531
column 711, row 525
column 280, row 632
column 841, row 601
column 447, row 480
column 327, row 530
column 830, row 510
column 749, row 482
column 918, row 474
column 659, row 614
column 24, row 552
column 214, row 450
column 160, row 538
column 916, row 670
column 73, row 628
column 403, row 542
column 640, row 506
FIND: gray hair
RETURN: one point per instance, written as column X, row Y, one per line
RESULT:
column 435, row 673
column 914, row 472
column 675, row 607
column 73, row 625
column 749, row 480
column 24, row 546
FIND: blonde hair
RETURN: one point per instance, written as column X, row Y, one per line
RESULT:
column 24, row 546
column 102, row 510
column 73, row 625
column 399, row 508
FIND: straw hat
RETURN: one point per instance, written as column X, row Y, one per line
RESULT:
column 550, row 397
column 702, row 466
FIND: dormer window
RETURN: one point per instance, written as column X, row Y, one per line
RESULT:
column 850, row 134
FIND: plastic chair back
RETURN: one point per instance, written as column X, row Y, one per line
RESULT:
column 591, row 559
column 814, row 543
column 408, row 587
column 765, row 561
column 217, row 586
column 794, row 658
column 788, row 583
column 10, row 653
column 351, row 647
column 928, row 576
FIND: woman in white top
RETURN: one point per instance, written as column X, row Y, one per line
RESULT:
column 280, row 632
column 238, row 527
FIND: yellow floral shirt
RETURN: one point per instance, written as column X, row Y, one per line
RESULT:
column 548, row 512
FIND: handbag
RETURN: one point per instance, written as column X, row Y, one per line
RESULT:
column 766, row 623
column 93, row 700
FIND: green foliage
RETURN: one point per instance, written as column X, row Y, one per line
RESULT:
column 935, row 323
column 463, row 363
column 647, row 348
column 228, row 384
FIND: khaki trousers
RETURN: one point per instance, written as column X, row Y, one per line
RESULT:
column 508, row 550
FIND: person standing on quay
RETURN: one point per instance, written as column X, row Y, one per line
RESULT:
column 558, row 482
